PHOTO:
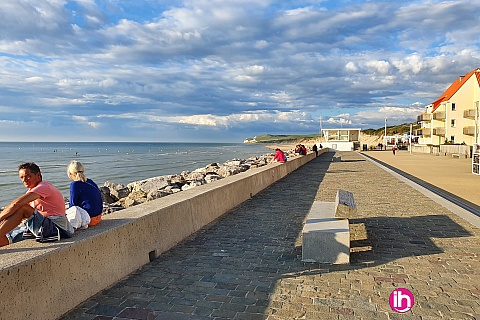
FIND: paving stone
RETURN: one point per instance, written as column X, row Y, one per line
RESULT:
column 247, row 265
column 106, row 310
column 136, row 313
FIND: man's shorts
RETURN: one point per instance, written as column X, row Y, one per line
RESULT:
column 34, row 224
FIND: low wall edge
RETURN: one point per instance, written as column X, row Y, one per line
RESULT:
column 64, row 274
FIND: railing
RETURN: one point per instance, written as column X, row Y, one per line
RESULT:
column 423, row 132
column 439, row 131
column 469, row 130
column 424, row 117
column 456, row 149
column 469, row 114
column 440, row 115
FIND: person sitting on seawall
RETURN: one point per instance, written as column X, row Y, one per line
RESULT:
column 304, row 149
column 279, row 156
column 43, row 208
column 298, row 149
column 85, row 197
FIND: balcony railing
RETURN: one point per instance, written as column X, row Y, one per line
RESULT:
column 439, row 131
column 469, row 113
column 424, row 117
column 440, row 115
column 423, row 132
column 469, row 131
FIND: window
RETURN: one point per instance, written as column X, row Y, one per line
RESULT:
column 453, row 123
column 452, row 139
column 454, row 107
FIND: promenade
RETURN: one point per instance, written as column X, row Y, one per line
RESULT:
column 453, row 175
column 246, row 265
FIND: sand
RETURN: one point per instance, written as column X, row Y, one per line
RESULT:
column 451, row 174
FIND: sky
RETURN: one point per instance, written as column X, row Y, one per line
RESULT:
column 224, row 70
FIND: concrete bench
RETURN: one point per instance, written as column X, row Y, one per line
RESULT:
column 458, row 155
column 326, row 233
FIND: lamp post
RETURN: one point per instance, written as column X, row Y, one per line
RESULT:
column 410, row 138
column 385, row 135
column 477, row 105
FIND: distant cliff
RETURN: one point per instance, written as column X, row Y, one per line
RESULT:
column 270, row 138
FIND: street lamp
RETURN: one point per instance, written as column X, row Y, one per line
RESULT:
column 410, row 138
column 385, row 135
column 477, row 105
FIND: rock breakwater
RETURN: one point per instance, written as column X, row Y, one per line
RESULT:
column 118, row 196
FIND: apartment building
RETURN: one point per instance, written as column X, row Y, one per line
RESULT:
column 454, row 117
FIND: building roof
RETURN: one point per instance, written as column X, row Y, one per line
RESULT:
column 455, row 86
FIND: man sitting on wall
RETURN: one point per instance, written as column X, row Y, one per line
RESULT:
column 43, row 208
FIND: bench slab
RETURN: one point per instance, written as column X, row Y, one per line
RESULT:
column 321, row 209
column 326, row 233
column 326, row 240
column 345, row 206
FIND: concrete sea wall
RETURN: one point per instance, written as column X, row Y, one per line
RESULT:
column 43, row 281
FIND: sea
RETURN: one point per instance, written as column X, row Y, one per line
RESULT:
column 119, row 162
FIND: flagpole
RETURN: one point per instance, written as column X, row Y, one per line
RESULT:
column 385, row 135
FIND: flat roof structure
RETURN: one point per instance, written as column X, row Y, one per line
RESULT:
column 342, row 134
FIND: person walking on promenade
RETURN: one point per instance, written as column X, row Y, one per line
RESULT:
column 85, row 196
column 394, row 148
column 279, row 156
column 43, row 208
column 315, row 149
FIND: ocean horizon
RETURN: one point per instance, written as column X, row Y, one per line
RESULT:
column 119, row 162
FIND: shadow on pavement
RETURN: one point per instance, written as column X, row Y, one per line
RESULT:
column 233, row 267
column 391, row 238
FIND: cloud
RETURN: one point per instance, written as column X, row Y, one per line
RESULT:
column 340, row 119
column 209, row 120
column 80, row 118
column 94, row 124
column 85, row 120
column 240, row 67
column 394, row 115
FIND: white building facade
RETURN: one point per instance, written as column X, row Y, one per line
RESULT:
column 341, row 139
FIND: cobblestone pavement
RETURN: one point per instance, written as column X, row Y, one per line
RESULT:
column 247, row 264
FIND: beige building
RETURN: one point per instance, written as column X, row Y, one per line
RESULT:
column 453, row 118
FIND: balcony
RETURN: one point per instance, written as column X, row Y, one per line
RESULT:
column 440, row 115
column 423, row 132
column 439, row 131
column 424, row 117
column 469, row 114
column 469, row 131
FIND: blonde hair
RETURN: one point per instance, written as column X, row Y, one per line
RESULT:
column 76, row 169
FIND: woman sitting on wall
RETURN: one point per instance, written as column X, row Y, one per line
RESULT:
column 85, row 196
